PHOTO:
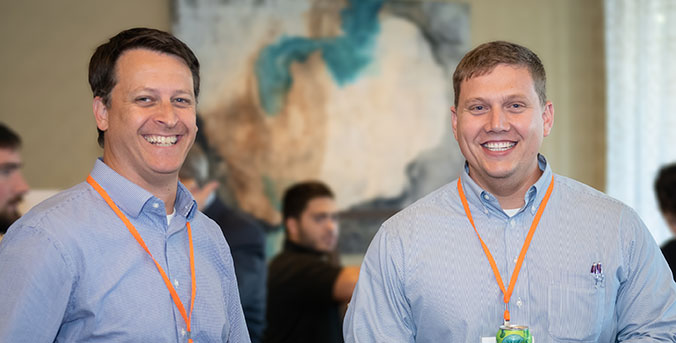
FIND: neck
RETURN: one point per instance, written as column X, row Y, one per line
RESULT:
column 164, row 191
column 511, row 193
column 162, row 186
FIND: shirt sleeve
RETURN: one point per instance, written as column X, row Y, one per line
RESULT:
column 379, row 310
column 646, row 299
column 36, row 280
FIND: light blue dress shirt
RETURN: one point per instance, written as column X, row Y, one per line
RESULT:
column 425, row 277
column 70, row 271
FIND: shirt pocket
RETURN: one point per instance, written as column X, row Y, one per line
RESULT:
column 575, row 309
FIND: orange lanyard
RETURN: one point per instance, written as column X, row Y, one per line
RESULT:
column 140, row 241
column 508, row 293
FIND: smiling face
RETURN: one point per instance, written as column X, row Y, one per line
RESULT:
column 317, row 227
column 499, row 124
column 150, row 121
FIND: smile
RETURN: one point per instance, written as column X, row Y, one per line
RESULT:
column 161, row 140
column 498, row 146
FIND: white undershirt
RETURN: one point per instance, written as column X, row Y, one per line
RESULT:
column 170, row 217
column 511, row 212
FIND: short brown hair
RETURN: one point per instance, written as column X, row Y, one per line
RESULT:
column 102, row 77
column 8, row 138
column 297, row 197
column 485, row 57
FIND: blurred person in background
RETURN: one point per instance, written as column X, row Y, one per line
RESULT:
column 13, row 186
column 665, row 189
column 306, row 287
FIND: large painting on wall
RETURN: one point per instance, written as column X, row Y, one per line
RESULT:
column 355, row 93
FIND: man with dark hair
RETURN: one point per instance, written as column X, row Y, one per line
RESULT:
column 126, row 256
column 665, row 189
column 509, row 243
column 306, row 288
column 244, row 234
column 12, row 184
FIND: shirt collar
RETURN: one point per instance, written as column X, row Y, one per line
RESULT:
column 293, row 247
column 132, row 199
column 532, row 198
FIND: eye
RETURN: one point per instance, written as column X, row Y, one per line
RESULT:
column 7, row 169
column 183, row 101
column 143, row 100
column 318, row 218
column 516, row 107
column 478, row 109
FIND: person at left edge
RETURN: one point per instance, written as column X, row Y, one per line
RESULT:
column 72, row 271
column 13, row 186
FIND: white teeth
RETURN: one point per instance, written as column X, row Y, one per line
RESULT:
column 498, row 146
column 161, row 140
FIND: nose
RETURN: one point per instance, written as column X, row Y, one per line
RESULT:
column 20, row 184
column 166, row 114
column 498, row 120
column 332, row 225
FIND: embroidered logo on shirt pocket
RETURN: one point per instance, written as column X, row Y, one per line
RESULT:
column 576, row 312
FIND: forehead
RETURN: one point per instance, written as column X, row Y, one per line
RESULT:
column 8, row 155
column 134, row 64
column 320, row 204
column 501, row 79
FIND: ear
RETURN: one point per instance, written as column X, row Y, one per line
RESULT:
column 292, row 229
column 548, row 118
column 100, row 113
column 454, row 122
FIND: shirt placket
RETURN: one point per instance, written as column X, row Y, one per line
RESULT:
column 178, row 271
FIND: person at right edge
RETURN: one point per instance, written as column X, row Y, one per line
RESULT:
column 665, row 190
column 510, row 243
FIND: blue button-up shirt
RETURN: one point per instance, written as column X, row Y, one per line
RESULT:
column 70, row 271
column 425, row 277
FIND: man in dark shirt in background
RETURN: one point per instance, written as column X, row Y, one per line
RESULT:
column 665, row 189
column 305, row 287
column 245, row 236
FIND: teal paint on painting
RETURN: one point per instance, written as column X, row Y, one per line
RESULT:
column 345, row 56
column 271, row 193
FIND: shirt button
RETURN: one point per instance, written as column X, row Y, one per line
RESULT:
column 486, row 197
column 176, row 282
column 512, row 223
column 515, row 259
column 156, row 205
column 519, row 302
column 532, row 209
column 183, row 332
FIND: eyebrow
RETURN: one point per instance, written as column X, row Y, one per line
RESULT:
column 516, row 97
column 10, row 165
column 154, row 90
column 511, row 97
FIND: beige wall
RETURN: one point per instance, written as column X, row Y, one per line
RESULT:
column 568, row 37
column 46, row 47
column 47, row 44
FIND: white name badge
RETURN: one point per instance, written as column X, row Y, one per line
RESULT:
column 494, row 340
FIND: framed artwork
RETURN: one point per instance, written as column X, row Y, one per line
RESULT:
column 355, row 93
